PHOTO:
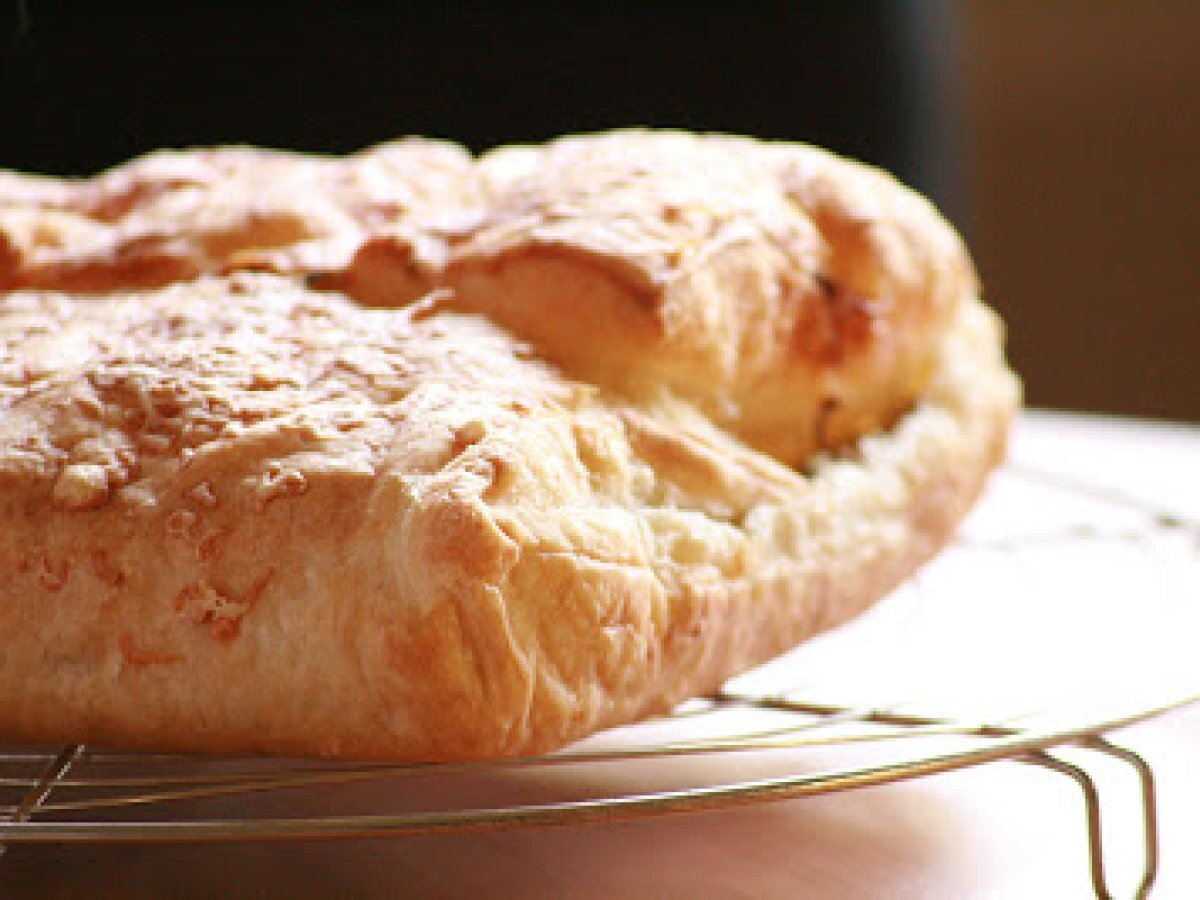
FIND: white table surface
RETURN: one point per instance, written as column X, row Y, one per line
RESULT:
column 1112, row 614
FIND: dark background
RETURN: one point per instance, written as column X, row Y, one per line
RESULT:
column 1058, row 136
column 96, row 84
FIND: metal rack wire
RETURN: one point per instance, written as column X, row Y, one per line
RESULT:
column 784, row 733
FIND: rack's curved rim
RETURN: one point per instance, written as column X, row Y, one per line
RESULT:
column 1010, row 745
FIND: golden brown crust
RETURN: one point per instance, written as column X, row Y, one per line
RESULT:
column 577, row 484
column 797, row 297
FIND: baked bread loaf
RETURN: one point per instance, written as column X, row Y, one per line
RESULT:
column 245, row 513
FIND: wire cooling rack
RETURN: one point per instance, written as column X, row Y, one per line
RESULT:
column 814, row 722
